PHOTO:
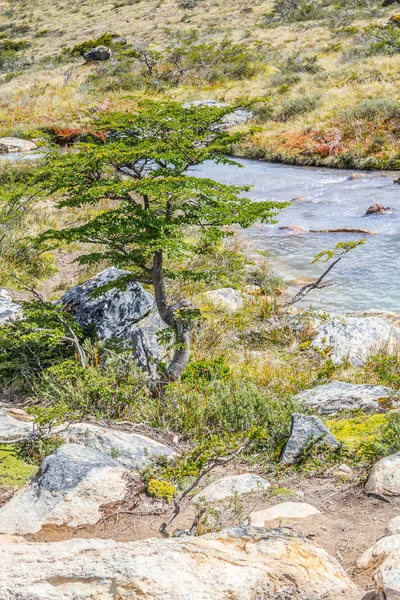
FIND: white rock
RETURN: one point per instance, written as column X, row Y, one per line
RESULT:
column 238, row 563
column 356, row 338
column 385, row 476
column 338, row 395
column 9, row 310
column 224, row 298
column 285, row 510
column 131, row 450
column 10, row 428
column 69, row 489
column 228, row 486
column 387, row 577
column 393, row 526
column 12, row 144
column 379, row 551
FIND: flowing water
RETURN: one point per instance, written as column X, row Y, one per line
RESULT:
column 367, row 278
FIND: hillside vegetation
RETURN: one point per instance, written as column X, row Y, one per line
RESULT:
column 324, row 72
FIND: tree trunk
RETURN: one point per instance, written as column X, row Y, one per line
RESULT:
column 182, row 330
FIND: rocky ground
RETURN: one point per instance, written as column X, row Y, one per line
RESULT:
column 280, row 533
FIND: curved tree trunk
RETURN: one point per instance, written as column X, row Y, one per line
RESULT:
column 182, row 330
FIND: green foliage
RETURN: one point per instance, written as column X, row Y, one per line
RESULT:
column 206, row 371
column 371, row 109
column 386, row 440
column 375, row 40
column 309, row 10
column 34, row 343
column 21, row 261
column 34, row 451
column 107, row 39
column 111, row 385
column 340, row 250
column 14, row 472
column 297, row 105
column 10, row 54
column 186, row 58
column 387, row 368
column 161, row 489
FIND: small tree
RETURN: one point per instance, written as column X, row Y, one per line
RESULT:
column 143, row 170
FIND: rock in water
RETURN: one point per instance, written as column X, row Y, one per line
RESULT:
column 305, row 429
column 130, row 315
column 283, row 511
column 130, row 450
column 239, row 563
column 11, row 144
column 356, row 338
column 385, row 477
column 228, row 486
column 338, row 395
column 69, row 489
column 377, row 209
column 224, row 298
column 9, row 310
column 100, row 53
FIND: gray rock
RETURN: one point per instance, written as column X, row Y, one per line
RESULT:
column 239, row 562
column 12, row 429
column 71, row 486
column 338, row 395
column 12, row 144
column 9, row 310
column 356, row 338
column 305, row 429
column 100, row 53
column 130, row 315
column 237, row 117
column 229, row 486
column 130, row 450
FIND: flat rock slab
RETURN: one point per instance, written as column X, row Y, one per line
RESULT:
column 356, row 338
column 304, row 430
column 69, row 489
column 131, row 450
column 240, row 563
column 12, row 428
column 11, row 144
column 224, row 298
column 229, row 486
column 338, row 395
column 385, row 476
column 282, row 512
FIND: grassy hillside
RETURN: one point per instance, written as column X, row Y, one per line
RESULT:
column 326, row 72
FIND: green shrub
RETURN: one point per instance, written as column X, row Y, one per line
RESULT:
column 104, row 40
column 375, row 40
column 298, row 105
column 112, row 387
column 374, row 109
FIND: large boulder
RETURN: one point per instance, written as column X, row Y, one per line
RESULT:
column 231, row 485
column 239, row 563
column 9, row 310
column 97, row 54
column 304, row 430
column 71, row 486
column 379, row 551
column 131, row 450
column 129, row 315
column 12, row 144
column 282, row 512
column 356, row 338
column 385, row 477
column 338, row 395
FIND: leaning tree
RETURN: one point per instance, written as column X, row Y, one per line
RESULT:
column 138, row 177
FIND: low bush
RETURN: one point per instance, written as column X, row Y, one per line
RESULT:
column 297, row 105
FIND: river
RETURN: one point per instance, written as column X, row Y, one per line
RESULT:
column 369, row 277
